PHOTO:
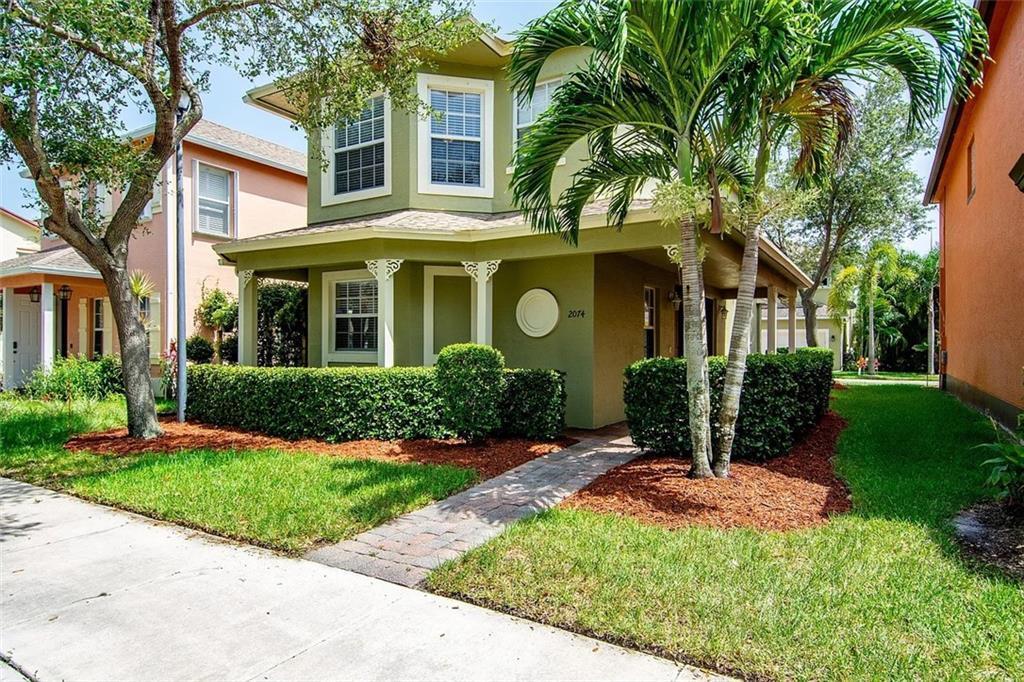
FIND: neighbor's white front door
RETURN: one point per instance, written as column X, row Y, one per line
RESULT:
column 23, row 342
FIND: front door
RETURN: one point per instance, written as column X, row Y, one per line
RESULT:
column 24, row 339
column 447, row 309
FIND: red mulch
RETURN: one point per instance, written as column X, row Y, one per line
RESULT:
column 489, row 458
column 836, row 386
column 799, row 490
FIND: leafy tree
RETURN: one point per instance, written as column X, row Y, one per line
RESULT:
column 870, row 193
column 861, row 283
column 281, row 322
column 69, row 69
column 219, row 311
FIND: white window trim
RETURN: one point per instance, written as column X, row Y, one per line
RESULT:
column 485, row 88
column 327, row 195
column 515, row 123
column 429, row 273
column 233, row 232
column 328, row 353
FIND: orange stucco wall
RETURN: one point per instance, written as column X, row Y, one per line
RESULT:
column 982, row 239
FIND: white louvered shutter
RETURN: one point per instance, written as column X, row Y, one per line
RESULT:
column 154, row 327
column 108, row 328
column 83, row 326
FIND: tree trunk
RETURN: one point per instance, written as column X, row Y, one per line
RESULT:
column 871, row 337
column 810, row 316
column 696, row 352
column 218, row 339
column 739, row 346
column 142, row 421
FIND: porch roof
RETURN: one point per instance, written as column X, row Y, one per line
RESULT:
column 60, row 260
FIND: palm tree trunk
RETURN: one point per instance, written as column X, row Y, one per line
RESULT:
column 871, row 336
column 739, row 346
column 697, row 385
column 131, row 334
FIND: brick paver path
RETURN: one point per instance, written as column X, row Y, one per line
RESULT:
column 406, row 549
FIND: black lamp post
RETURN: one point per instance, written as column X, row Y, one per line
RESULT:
column 64, row 295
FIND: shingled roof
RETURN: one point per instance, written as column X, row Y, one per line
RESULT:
column 60, row 260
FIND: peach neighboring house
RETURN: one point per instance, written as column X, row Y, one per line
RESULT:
column 235, row 186
column 977, row 179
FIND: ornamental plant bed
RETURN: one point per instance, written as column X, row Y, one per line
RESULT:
column 798, row 490
column 488, row 458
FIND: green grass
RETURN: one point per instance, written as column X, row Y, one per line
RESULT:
column 887, row 376
column 879, row 593
column 280, row 500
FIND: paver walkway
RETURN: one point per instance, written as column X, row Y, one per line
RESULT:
column 91, row 593
column 406, row 549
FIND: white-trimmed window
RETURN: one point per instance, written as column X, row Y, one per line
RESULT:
column 214, row 200
column 529, row 110
column 358, row 154
column 456, row 142
column 97, row 327
column 351, row 301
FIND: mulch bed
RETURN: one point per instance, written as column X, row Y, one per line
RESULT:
column 989, row 533
column 489, row 458
column 799, row 490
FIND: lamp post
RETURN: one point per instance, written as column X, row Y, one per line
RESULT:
column 64, row 295
column 179, row 215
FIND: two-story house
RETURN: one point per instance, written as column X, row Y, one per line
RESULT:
column 234, row 186
column 412, row 243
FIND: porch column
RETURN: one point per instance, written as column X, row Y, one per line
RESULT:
column 773, row 318
column 791, row 300
column 47, row 320
column 481, row 272
column 383, row 270
column 246, row 317
column 8, row 356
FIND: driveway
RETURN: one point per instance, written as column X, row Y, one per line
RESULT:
column 92, row 593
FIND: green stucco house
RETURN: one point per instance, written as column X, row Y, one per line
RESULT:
column 412, row 243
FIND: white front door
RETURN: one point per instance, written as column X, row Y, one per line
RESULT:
column 23, row 344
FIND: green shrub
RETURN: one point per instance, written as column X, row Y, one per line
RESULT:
column 533, row 403
column 783, row 396
column 471, row 379
column 229, row 349
column 351, row 403
column 199, row 350
column 333, row 404
column 77, row 377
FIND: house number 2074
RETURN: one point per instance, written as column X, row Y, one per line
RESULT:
column 577, row 313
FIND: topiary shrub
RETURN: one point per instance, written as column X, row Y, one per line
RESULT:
column 783, row 397
column 199, row 350
column 533, row 403
column 76, row 377
column 229, row 349
column 471, row 379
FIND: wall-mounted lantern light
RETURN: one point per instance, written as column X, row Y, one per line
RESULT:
column 675, row 296
column 64, row 293
column 35, row 294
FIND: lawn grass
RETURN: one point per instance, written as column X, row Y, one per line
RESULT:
column 285, row 501
column 879, row 593
column 887, row 376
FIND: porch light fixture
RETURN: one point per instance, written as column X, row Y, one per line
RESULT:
column 64, row 293
column 675, row 296
column 35, row 294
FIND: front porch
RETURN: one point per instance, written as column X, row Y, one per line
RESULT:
column 54, row 305
column 391, row 297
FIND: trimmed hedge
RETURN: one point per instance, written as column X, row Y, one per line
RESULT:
column 783, row 397
column 76, row 377
column 471, row 379
column 199, row 349
column 533, row 403
column 352, row 403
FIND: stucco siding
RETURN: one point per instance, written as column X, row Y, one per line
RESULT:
column 982, row 237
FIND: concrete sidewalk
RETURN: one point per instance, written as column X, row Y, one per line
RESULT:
column 91, row 593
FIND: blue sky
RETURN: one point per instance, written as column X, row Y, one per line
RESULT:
column 223, row 104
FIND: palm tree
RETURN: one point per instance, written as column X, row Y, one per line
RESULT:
column 657, row 92
column 860, row 284
column 807, row 92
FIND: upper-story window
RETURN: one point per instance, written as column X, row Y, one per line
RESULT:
column 214, row 196
column 358, row 155
column 529, row 110
column 456, row 142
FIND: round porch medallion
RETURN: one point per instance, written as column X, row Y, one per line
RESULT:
column 537, row 312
